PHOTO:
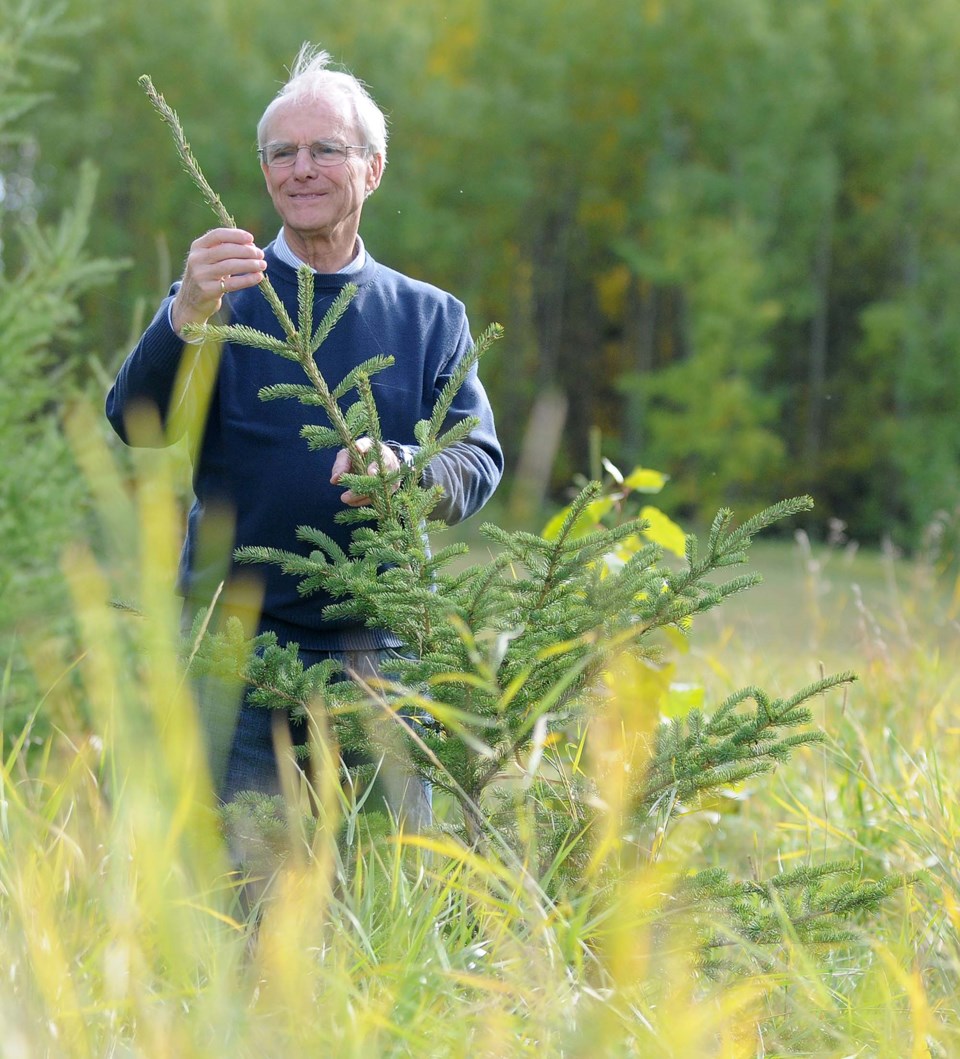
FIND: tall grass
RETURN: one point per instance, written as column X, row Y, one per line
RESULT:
column 125, row 932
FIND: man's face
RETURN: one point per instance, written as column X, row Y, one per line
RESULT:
column 319, row 201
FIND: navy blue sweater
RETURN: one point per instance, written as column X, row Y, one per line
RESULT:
column 252, row 462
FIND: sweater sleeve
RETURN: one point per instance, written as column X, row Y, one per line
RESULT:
column 157, row 377
column 470, row 470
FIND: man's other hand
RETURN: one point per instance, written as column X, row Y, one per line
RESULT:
column 341, row 465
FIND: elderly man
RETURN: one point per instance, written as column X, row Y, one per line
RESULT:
column 322, row 148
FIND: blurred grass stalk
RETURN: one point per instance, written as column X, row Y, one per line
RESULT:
column 121, row 928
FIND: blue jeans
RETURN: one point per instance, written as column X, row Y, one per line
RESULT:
column 244, row 757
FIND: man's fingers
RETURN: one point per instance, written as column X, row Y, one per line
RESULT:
column 217, row 236
column 230, row 268
column 222, row 253
column 351, row 499
column 237, row 266
column 232, row 276
column 340, row 466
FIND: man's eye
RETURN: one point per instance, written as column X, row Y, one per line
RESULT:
column 326, row 150
column 283, row 153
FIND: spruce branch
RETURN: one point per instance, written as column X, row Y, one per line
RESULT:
column 369, row 367
column 275, row 391
column 240, row 334
column 698, row 754
column 305, row 301
column 318, row 437
column 452, row 387
column 192, row 166
column 816, row 905
column 187, row 159
column 326, row 325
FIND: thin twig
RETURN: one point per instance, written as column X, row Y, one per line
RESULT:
column 192, row 166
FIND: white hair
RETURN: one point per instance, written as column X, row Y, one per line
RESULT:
column 311, row 78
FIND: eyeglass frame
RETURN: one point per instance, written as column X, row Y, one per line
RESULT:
column 345, row 147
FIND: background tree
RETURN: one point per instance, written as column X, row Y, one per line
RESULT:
column 45, row 271
column 721, row 232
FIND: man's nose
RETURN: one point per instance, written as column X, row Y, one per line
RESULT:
column 304, row 162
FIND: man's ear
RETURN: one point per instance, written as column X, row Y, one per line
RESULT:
column 374, row 173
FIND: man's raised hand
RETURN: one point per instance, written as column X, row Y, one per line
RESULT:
column 220, row 261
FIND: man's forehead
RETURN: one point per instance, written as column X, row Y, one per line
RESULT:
column 320, row 116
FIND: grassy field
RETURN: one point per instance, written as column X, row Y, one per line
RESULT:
column 885, row 786
column 837, row 602
column 122, row 932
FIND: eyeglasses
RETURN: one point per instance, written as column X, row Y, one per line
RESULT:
column 323, row 152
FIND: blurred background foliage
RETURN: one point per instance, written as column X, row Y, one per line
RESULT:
column 721, row 234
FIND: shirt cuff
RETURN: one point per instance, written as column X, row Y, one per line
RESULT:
column 404, row 453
